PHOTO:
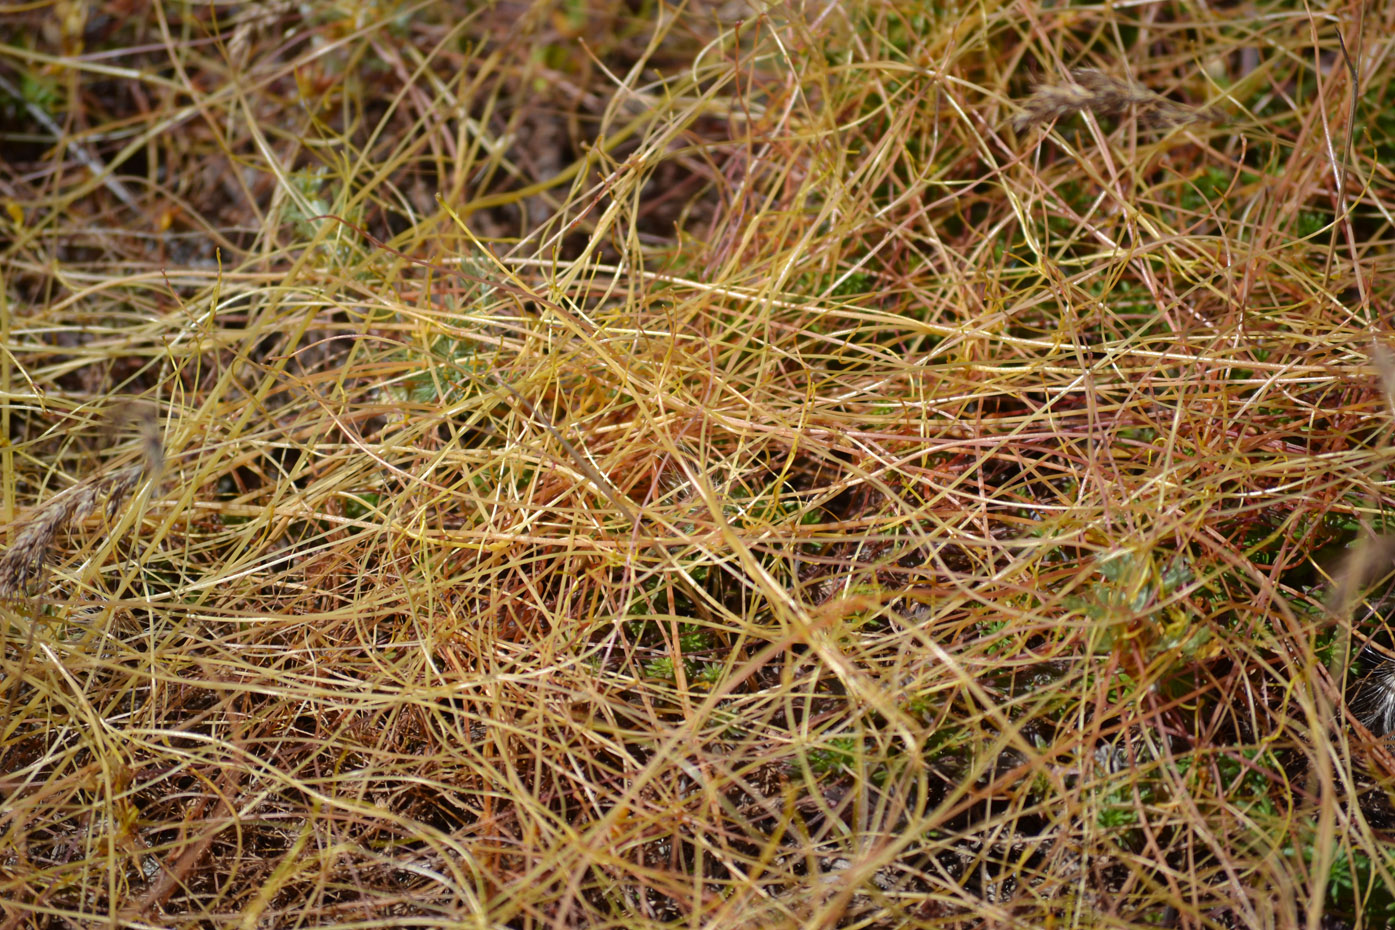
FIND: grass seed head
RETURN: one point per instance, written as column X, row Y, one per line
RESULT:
column 23, row 562
column 1093, row 91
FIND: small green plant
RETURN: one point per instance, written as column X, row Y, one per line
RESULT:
column 1357, row 888
column 661, row 668
column 837, row 755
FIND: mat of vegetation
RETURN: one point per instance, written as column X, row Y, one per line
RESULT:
column 728, row 465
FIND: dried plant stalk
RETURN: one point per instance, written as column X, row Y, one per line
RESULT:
column 1105, row 95
column 24, row 561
